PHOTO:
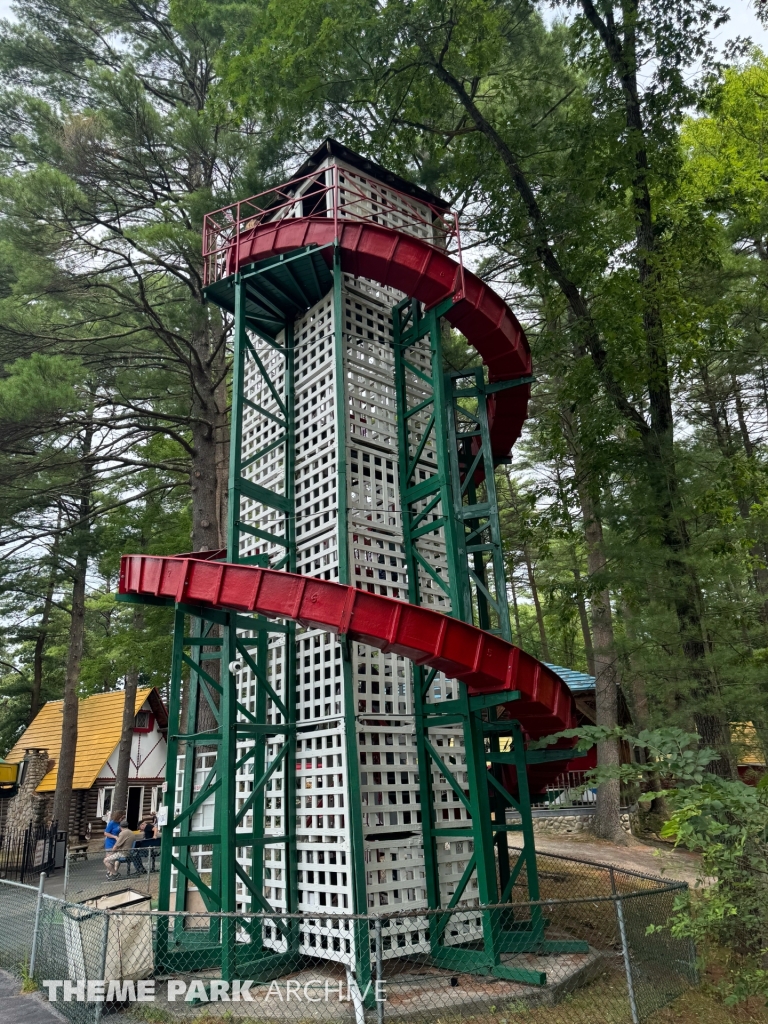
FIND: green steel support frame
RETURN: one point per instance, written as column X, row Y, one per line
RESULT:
column 476, row 509
column 208, row 859
column 444, row 497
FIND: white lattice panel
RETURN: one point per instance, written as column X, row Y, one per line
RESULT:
column 389, row 772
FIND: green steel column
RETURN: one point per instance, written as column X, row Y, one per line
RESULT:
column 503, row 622
column 225, row 813
column 470, row 451
column 478, row 519
column 471, row 526
column 226, row 801
column 259, row 767
column 474, row 742
column 421, row 679
column 236, row 429
column 497, row 553
column 226, row 868
column 190, row 754
column 529, row 844
column 459, row 592
column 482, row 828
column 172, row 757
column 290, row 678
column 455, row 549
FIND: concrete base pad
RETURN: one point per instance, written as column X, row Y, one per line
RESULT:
column 412, row 990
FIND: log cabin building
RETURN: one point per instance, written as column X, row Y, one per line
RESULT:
column 100, row 720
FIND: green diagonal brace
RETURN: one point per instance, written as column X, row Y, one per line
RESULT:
column 448, row 775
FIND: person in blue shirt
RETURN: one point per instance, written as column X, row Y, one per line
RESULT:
column 112, row 831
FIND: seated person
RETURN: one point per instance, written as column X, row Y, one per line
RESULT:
column 149, row 827
column 112, row 830
column 120, row 851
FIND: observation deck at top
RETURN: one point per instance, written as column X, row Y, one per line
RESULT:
column 408, row 241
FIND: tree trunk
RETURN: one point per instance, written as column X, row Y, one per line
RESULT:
column 210, row 440
column 659, row 441
column 120, row 798
column 536, row 604
column 608, row 808
column 578, row 582
column 749, row 447
column 42, row 635
column 724, row 436
column 758, row 550
column 531, row 578
column 581, row 604
column 66, row 768
column 633, row 681
column 209, row 485
column 515, row 608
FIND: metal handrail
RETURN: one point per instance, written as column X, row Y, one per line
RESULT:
column 223, row 228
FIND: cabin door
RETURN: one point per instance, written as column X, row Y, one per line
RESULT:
column 135, row 795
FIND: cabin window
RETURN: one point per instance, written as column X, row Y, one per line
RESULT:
column 143, row 721
column 105, row 801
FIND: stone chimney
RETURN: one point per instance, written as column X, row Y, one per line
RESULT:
column 28, row 807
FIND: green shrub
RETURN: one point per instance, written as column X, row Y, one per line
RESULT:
column 726, row 822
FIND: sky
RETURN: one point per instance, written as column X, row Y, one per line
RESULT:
column 743, row 22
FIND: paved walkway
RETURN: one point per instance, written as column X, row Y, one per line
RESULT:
column 679, row 865
column 18, row 1009
column 88, row 878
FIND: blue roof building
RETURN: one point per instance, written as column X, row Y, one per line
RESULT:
column 577, row 682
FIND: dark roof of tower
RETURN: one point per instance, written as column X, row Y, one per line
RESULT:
column 330, row 147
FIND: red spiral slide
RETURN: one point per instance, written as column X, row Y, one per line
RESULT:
column 486, row 663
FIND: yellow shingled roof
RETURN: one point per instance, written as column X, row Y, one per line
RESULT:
column 99, row 724
column 750, row 752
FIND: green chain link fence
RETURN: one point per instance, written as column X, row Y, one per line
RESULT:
column 108, row 953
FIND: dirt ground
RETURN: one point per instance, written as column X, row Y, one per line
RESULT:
column 636, row 856
column 699, row 1006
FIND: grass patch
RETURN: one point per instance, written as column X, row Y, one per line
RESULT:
column 702, row 1006
column 151, row 1014
column 28, row 983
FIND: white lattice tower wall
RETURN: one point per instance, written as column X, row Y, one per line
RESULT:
column 384, row 722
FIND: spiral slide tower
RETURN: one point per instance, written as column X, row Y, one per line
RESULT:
column 348, row 720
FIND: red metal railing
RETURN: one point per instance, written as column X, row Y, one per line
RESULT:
column 333, row 192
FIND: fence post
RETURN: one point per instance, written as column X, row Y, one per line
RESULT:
column 353, row 989
column 66, row 869
column 36, row 928
column 24, row 853
column 619, row 904
column 103, row 965
column 378, row 992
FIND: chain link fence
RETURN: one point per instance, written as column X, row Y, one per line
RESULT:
column 85, row 878
column 588, row 951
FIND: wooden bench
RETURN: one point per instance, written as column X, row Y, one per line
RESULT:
column 78, row 850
